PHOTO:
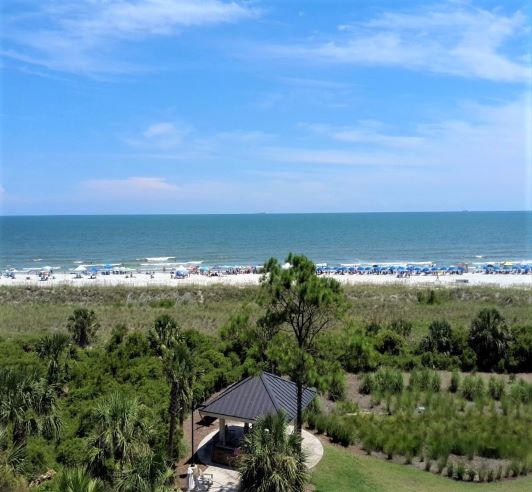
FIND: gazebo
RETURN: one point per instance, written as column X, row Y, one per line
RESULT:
column 244, row 402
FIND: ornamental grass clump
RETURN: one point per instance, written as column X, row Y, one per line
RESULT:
column 460, row 471
column 388, row 381
column 424, row 380
column 450, row 470
column 454, row 385
column 496, row 388
column 366, row 387
column 472, row 387
column 520, row 391
column 340, row 432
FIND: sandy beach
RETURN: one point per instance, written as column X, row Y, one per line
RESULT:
column 165, row 279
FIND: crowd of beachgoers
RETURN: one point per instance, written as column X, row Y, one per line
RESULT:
column 503, row 273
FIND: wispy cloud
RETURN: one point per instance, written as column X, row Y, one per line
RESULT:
column 449, row 39
column 143, row 186
column 491, row 142
column 371, row 133
column 82, row 36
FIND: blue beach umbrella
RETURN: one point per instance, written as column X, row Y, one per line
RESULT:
column 93, row 270
column 108, row 266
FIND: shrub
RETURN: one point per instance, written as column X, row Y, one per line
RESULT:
column 482, row 473
column 372, row 328
column 472, row 387
column 454, row 385
column 401, row 327
column 428, row 464
column 359, row 355
column 389, row 342
column 337, row 384
column 490, row 476
column 496, row 388
column 439, row 339
column 460, row 471
column 521, row 349
column 441, row 463
column 498, row 474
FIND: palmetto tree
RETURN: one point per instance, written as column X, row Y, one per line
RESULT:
column 168, row 343
column 179, row 371
column 51, row 348
column 11, row 457
column 489, row 338
column 82, row 325
column 147, row 472
column 119, row 429
column 79, row 480
column 28, row 405
column 272, row 459
column 164, row 334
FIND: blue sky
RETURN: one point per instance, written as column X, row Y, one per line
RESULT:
column 182, row 106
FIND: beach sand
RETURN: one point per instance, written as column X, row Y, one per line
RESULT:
column 164, row 279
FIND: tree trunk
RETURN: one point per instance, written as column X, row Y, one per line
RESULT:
column 19, row 435
column 299, row 417
column 172, row 411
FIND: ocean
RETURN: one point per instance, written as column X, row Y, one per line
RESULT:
column 444, row 238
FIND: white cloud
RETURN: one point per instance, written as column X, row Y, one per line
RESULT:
column 81, row 37
column 448, row 39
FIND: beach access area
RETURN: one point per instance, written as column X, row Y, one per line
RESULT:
column 145, row 279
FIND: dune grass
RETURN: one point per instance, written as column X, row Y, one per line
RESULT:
column 30, row 311
column 342, row 471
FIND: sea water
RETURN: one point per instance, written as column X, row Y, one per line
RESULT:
column 444, row 238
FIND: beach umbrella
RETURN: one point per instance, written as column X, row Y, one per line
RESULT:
column 93, row 270
column 80, row 268
column 286, row 266
column 108, row 266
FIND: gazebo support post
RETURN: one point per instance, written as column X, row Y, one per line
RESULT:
column 222, row 431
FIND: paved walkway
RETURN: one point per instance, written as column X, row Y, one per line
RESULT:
column 226, row 479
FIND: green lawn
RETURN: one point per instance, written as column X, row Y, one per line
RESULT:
column 342, row 471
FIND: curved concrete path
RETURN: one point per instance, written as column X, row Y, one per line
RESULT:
column 226, row 479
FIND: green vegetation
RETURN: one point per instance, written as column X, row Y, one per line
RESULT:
column 307, row 304
column 271, row 458
column 95, row 382
column 341, row 470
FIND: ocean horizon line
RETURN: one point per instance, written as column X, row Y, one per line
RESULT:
column 191, row 214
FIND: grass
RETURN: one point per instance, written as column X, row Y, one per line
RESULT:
column 342, row 471
column 37, row 310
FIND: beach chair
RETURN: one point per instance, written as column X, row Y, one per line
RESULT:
column 205, row 481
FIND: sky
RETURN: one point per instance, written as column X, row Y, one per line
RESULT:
column 215, row 106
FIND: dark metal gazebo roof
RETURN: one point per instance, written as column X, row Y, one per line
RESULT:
column 256, row 396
